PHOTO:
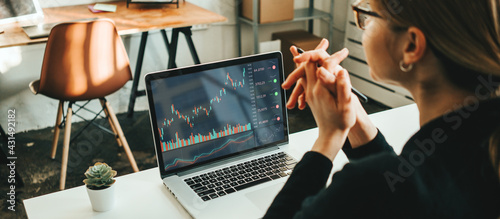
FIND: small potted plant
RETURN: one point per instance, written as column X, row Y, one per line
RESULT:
column 100, row 187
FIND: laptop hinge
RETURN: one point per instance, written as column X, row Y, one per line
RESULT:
column 228, row 160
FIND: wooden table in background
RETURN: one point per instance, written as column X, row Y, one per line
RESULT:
column 137, row 18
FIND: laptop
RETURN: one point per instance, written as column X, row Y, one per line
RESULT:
column 43, row 29
column 221, row 133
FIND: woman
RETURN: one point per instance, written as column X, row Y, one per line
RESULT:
column 447, row 54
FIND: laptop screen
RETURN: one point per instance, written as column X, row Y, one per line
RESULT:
column 207, row 112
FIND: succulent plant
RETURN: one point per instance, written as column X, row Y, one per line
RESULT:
column 99, row 176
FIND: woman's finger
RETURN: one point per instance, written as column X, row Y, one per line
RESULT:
column 300, row 70
column 343, row 88
column 311, row 56
column 323, row 58
column 302, row 101
column 323, row 44
column 294, row 51
column 311, row 78
column 293, row 77
column 327, row 79
column 295, row 95
column 332, row 62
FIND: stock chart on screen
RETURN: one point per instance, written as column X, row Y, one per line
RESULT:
column 209, row 114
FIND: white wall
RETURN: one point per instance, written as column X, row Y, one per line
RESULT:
column 20, row 65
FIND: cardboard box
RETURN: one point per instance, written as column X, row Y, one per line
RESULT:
column 269, row 10
column 299, row 38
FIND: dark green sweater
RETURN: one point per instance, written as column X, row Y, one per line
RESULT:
column 443, row 171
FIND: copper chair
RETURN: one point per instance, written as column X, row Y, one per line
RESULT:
column 83, row 61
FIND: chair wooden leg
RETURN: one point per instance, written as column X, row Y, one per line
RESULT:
column 119, row 130
column 113, row 128
column 57, row 129
column 65, row 152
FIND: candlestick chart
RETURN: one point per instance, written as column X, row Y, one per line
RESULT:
column 209, row 114
column 201, row 112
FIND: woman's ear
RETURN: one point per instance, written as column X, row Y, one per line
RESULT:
column 415, row 47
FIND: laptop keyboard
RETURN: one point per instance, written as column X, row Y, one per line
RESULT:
column 241, row 176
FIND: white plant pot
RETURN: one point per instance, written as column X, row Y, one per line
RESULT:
column 102, row 200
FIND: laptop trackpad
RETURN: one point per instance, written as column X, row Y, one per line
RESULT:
column 264, row 197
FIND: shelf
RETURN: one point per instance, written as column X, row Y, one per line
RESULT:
column 303, row 14
column 308, row 14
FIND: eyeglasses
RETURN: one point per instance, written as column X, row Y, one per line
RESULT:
column 361, row 14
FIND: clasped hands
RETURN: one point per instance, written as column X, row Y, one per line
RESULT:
column 326, row 88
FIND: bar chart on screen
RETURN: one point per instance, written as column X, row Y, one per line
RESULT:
column 230, row 141
column 199, row 138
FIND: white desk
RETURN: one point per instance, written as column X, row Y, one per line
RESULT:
column 142, row 194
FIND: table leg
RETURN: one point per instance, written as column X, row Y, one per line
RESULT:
column 172, row 53
column 187, row 33
column 137, row 74
column 168, row 45
column 173, row 46
column 238, row 35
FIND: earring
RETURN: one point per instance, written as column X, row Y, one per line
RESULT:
column 403, row 68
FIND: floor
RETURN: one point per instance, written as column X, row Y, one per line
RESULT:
column 40, row 173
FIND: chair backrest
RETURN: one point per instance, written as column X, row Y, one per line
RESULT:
column 84, row 60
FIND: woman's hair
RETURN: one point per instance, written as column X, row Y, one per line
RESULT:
column 464, row 35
